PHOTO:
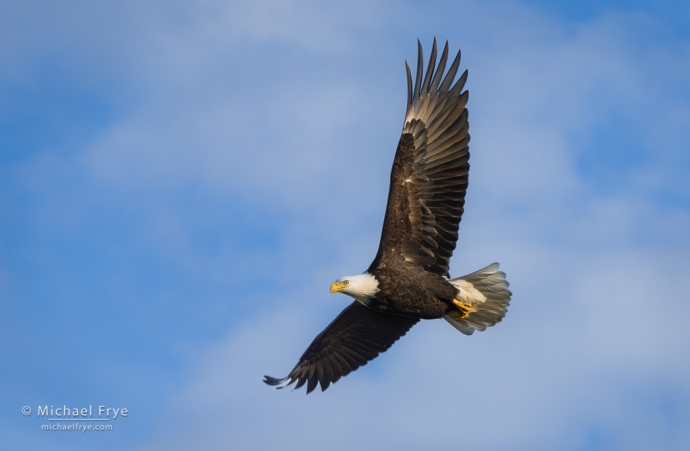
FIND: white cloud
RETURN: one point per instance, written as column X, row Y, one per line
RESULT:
column 247, row 100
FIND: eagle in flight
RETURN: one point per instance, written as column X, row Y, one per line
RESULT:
column 408, row 279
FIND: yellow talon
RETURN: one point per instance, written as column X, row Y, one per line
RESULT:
column 465, row 310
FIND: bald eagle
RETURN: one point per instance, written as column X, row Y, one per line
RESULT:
column 409, row 280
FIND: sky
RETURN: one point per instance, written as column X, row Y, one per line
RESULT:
column 181, row 182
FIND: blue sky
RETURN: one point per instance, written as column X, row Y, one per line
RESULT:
column 181, row 182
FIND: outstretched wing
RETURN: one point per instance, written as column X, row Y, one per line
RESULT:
column 355, row 337
column 429, row 176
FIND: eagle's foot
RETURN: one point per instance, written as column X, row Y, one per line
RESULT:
column 464, row 310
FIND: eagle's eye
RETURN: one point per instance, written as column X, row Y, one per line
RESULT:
column 346, row 282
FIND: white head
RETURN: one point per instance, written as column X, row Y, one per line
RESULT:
column 362, row 287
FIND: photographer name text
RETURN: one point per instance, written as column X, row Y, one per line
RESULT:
column 65, row 412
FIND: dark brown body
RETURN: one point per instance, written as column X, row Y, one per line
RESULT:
column 410, row 291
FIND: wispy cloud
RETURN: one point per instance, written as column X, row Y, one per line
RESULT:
column 243, row 166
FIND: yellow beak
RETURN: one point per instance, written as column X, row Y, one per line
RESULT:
column 337, row 286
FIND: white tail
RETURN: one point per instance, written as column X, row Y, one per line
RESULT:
column 486, row 291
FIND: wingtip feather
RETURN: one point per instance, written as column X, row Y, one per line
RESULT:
column 273, row 382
